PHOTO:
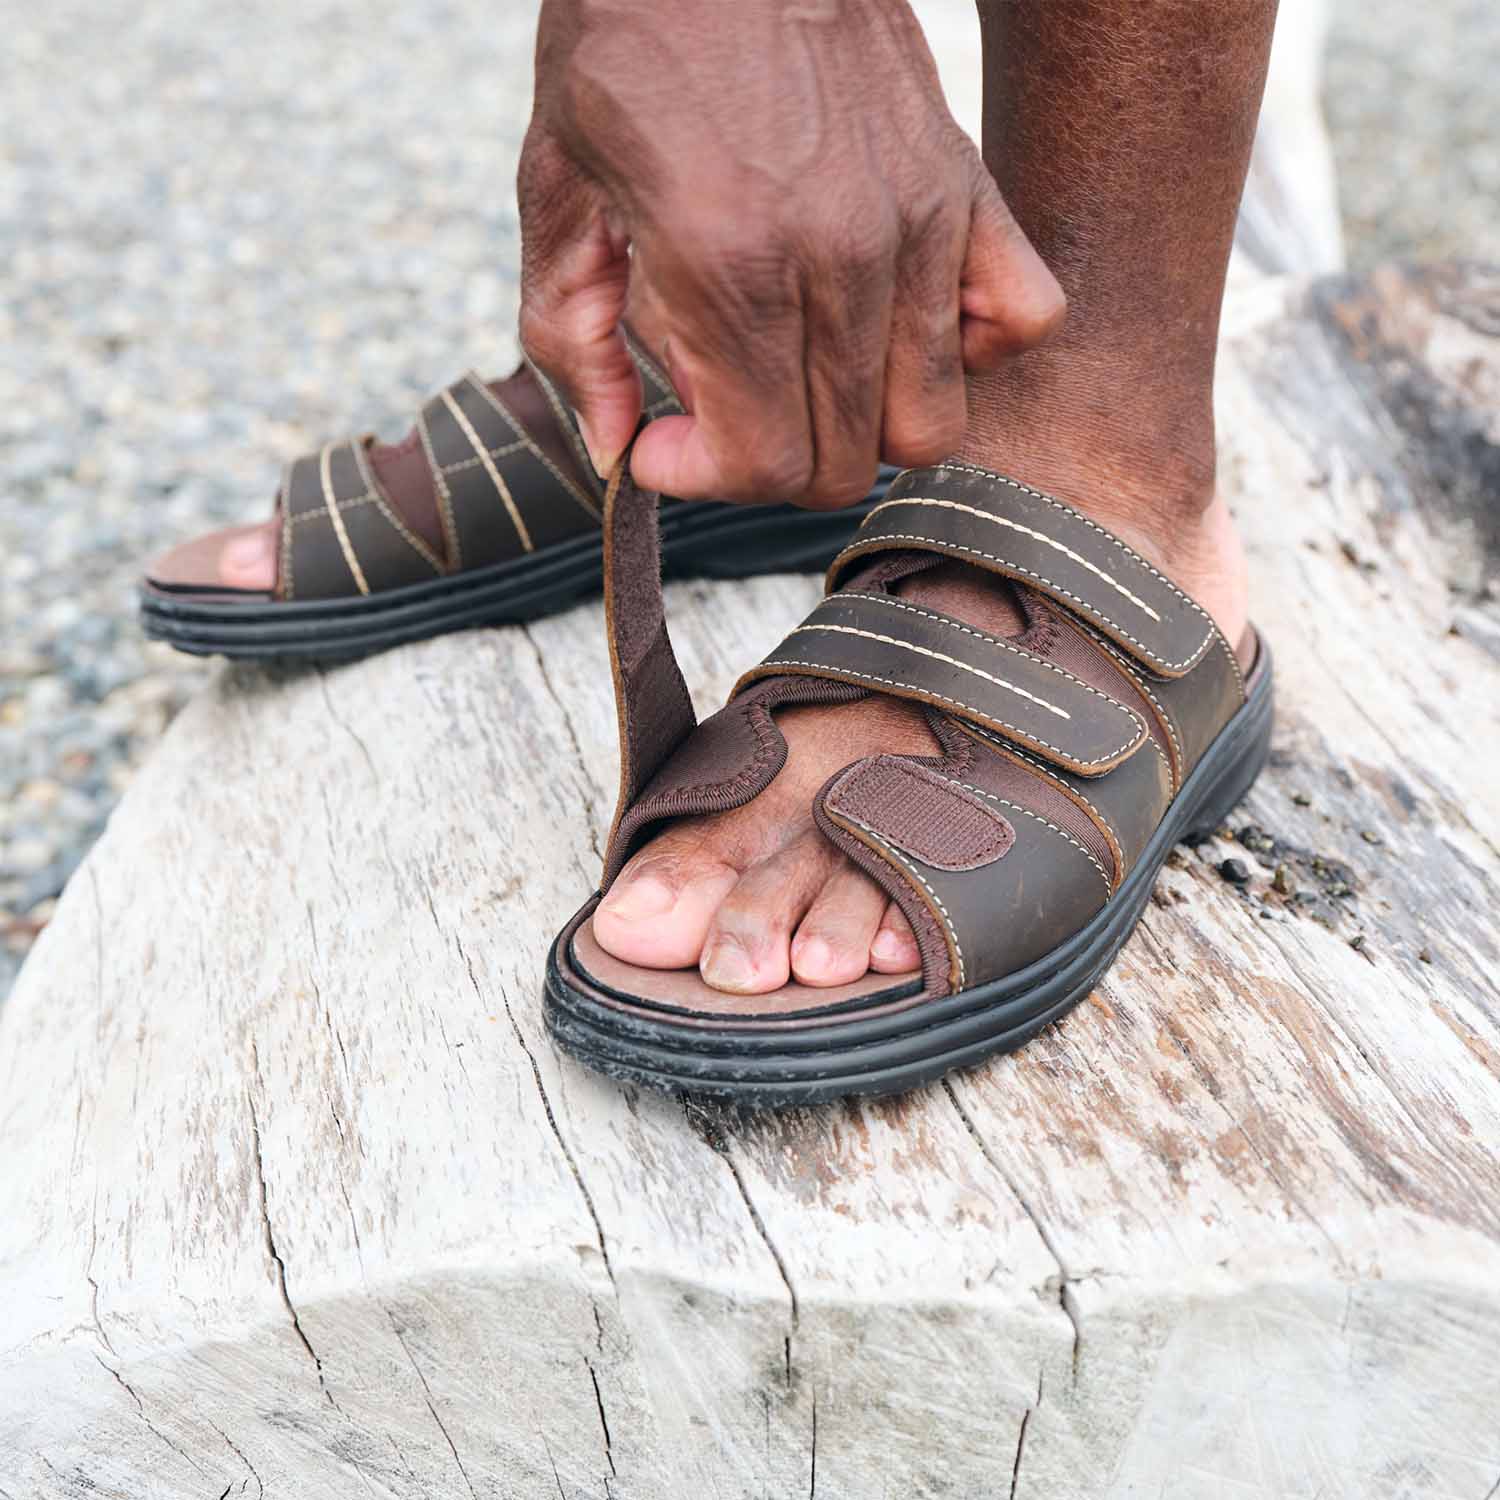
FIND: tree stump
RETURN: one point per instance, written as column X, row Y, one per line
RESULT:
column 299, row 1201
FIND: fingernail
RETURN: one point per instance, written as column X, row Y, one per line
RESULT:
column 638, row 900
column 726, row 966
column 603, row 461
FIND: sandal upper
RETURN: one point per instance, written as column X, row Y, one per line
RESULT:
column 1061, row 747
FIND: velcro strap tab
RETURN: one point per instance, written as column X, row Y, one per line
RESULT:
column 886, row 644
column 995, row 523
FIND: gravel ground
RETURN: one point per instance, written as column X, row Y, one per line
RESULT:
column 228, row 232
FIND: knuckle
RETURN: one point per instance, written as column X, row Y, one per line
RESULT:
column 913, row 439
column 783, row 475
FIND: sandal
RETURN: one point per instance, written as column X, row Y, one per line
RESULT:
column 503, row 525
column 1074, row 756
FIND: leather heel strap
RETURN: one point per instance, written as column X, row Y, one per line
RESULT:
column 654, row 709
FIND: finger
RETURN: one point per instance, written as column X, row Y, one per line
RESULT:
column 849, row 314
column 1010, row 301
column 925, row 407
column 735, row 356
column 575, row 279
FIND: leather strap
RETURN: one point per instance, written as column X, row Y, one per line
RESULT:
column 993, row 522
column 499, row 494
column 652, row 704
column 340, row 533
column 893, row 647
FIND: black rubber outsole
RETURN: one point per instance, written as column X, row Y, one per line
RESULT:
column 698, row 541
column 895, row 1053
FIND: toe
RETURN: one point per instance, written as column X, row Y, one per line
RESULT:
column 659, row 908
column 894, row 950
column 238, row 557
column 248, row 561
column 832, row 945
column 748, row 947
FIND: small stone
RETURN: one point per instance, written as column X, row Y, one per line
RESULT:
column 1357, row 942
column 1301, row 799
column 1282, row 882
column 1234, row 871
column 1256, row 839
column 1370, row 836
column 1425, row 955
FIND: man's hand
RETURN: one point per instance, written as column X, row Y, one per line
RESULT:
column 801, row 231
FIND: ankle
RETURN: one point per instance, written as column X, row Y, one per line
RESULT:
column 1144, row 469
column 1145, row 472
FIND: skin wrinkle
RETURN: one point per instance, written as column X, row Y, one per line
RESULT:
column 773, row 211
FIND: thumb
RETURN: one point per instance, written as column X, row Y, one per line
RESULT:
column 575, row 274
column 1009, row 300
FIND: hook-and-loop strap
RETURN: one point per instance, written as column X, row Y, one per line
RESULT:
column 894, row 647
column 995, row 523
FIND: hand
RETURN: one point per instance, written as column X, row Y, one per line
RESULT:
column 777, row 192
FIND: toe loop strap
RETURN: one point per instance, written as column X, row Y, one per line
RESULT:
column 989, row 521
column 889, row 646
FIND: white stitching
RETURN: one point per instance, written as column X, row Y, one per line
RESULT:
column 912, row 687
column 467, row 427
column 1108, row 536
column 367, row 473
column 1105, row 826
column 953, row 624
column 1178, row 773
column 350, row 556
column 445, row 500
column 1046, row 823
column 285, row 579
column 1034, row 534
column 952, row 661
column 917, row 874
column 857, row 548
column 505, row 450
column 537, row 452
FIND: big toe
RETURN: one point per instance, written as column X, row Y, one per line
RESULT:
column 237, row 557
column 658, row 911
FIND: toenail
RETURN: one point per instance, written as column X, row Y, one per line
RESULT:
column 637, row 900
column 891, row 947
column 726, row 966
column 814, row 955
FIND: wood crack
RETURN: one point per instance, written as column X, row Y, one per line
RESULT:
column 442, row 1427
column 1065, row 1279
column 572, row 732
column 270, row 1237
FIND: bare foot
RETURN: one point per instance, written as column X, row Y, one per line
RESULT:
column 757, row 895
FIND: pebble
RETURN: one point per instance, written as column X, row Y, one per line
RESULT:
column 1235, row 871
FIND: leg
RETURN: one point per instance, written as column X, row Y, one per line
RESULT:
column 1121, row 137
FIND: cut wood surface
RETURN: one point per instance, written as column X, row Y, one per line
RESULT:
column 300, row 1201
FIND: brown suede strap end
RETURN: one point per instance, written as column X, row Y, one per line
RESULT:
column 651, row 699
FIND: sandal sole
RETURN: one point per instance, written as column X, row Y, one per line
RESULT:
column 698, row 541
column 893, row 1054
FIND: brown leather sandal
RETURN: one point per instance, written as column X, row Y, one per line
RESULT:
column 1074, row 757
column 509, row 530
